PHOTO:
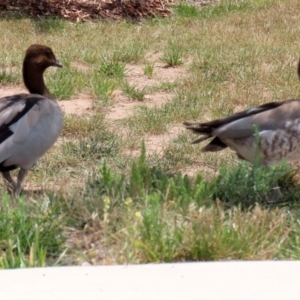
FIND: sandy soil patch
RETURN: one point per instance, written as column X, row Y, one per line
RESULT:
column 161, row 73
column 80, row 66
column 123, row 107
column 8, row 90
column 157, row 143
column 80, row 105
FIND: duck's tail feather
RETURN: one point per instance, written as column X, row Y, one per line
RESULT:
column 206, row 132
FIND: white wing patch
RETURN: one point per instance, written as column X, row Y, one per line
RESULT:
column 22, row 128
column 10, row 112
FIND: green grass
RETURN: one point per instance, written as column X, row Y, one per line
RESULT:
column 102, row 87
column 230, row 6
column 9, row 77
column 94, row 147
column 169, row 217
column 64, row 82
column 112, row 68
column 98, row 196
column 149, row 70
column 30, row 233
column 133, row 92
column 131, row 53
column 172, row 56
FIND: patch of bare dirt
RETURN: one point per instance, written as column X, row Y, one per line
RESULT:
column 80, row 66
column 123, row 107
column 161, row 73
column 157, row 99
column 157, row 143
column 153, row 56
column 80, row 105
column 9, row 90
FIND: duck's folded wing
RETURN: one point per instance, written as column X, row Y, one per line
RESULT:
column 240, row 119
column 18, row 116
column 274, row 118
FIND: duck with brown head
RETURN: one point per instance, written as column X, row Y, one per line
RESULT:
column 29, row 123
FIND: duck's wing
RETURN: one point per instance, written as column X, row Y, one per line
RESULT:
column 273, row 118
column 269, row 116
column 18, row 116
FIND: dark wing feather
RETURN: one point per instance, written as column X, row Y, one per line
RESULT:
column 12, row 109
column 209, row 129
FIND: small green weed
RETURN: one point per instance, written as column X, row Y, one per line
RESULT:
column 133, row 92
column 112, row 68
column 149, row 70
column 172, row 55
column 102, row 86
column 130, row 54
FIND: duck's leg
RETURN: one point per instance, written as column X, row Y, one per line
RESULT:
column 8, row 179
column 21, row 176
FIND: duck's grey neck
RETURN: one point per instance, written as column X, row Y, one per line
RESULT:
column 34, row 81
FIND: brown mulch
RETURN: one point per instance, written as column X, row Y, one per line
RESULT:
column 83, row 10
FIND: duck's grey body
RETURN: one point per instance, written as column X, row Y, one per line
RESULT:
column 277, row 125
column 29, row 126
column 29, row 123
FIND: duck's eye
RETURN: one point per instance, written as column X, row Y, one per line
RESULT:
column 49, row 52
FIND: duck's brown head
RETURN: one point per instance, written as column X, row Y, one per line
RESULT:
column 41, row 57
column 37, row 59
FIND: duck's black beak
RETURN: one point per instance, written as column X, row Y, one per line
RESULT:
column 57, row 64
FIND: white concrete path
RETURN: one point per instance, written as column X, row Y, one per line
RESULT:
column 212, row 280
